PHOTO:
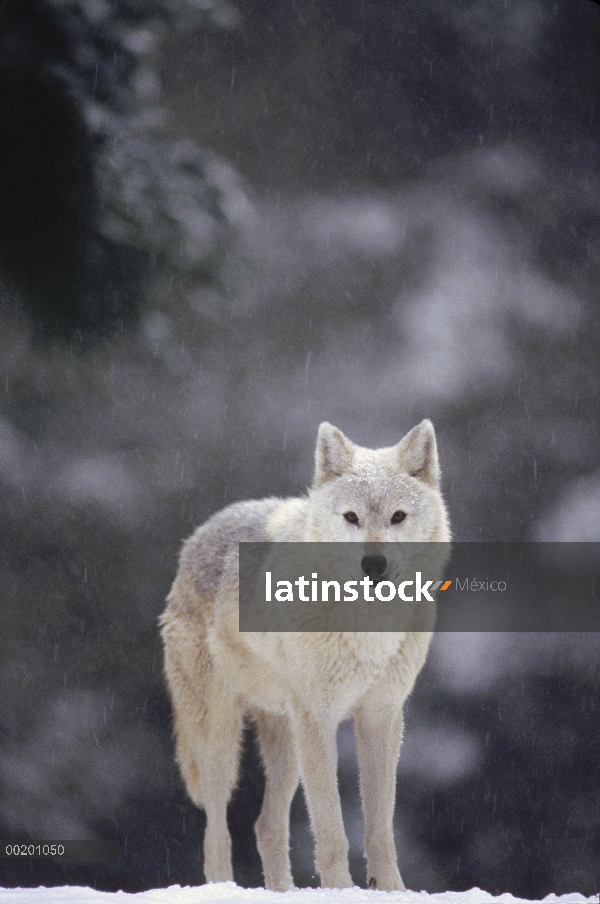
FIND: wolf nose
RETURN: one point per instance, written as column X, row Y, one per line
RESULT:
column 374, row 566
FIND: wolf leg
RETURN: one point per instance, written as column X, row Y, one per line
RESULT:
column 378, row 739
column 317, row 755
column 217, row 744
column 273, row 825
column 207, row 728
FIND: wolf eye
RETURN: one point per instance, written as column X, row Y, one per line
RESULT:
column 398, row 516
column 351, row 517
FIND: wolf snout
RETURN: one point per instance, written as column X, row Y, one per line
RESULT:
column 374, row 566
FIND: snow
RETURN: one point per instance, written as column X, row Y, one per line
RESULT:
column 230, row 893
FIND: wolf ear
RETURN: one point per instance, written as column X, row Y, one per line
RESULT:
column 417, row 454
column 333, row 454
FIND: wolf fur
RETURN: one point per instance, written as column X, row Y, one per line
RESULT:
column 298, row 687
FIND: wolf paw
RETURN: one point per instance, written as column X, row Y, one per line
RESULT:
column 336, row 878
column 282, row 884
column 386, row 880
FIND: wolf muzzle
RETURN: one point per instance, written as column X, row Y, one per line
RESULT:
column 374, row 566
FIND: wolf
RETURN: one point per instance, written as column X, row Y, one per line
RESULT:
column 298, row 687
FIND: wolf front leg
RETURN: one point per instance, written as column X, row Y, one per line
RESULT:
column 317, row 756
column 378, row 739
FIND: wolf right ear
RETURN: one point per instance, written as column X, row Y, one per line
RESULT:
column 333, row 455
column 417, row 453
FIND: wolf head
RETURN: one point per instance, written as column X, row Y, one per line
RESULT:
column 377, row 495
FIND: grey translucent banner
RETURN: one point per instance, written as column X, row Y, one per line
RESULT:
column 419, row 587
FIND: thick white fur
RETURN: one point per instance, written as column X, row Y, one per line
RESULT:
column 298, row 687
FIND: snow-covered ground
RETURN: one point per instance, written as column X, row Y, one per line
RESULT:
column 229, row 893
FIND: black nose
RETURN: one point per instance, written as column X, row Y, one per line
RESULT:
column 374, row 566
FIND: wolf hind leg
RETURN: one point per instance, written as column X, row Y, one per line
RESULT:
column 216, row 751
column 272, row 827
column 208, row 720
column 208, row 743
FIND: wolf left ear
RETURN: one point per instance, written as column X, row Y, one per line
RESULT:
column 333, row 454
column 417, row 454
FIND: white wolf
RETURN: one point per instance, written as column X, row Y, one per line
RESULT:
column 298, row 687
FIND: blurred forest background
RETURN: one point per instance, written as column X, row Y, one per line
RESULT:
column 221, row 223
